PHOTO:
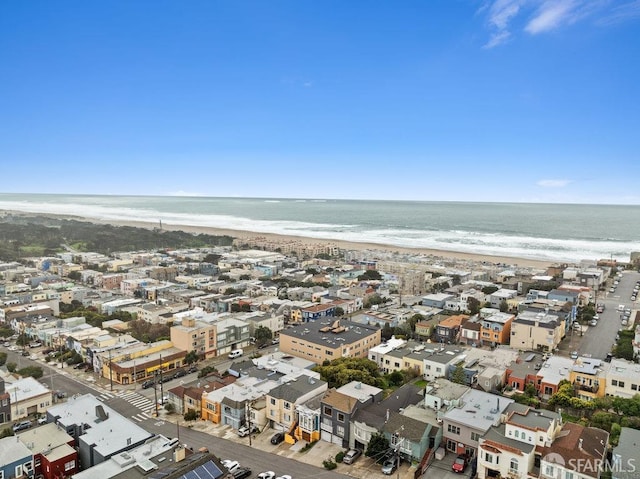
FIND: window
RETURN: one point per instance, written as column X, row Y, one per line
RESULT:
column 614, row 382
column 340, row 431
column 568, row 475
column 327, row 411
column 621, row 384
column 513, row 465
column 516, row 433
column 453, row 429
column 273, row 401
column 340, row 417
column 634, row 387
column 287, row 405
column 69, row 465
column 549, row 470
column 475, row 436
column 488, row 457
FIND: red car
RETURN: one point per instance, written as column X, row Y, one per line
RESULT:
column 460, row 464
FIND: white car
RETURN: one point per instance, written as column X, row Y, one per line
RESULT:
column 231, row 465
column 284, row 476
column 267, row 475
column 574, row 354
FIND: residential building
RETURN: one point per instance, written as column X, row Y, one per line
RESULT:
column 589, row 376
column 100, row 432
column 437, row 300
column 195, row 335
column 439, row 360
column 5, row 403
column 28, row 397
column 554, row 370
column 624, row 461
column 448, row 330
column 371, row 418
column 496, row 329
column 496, row 298
column 464, row 425
column 54, row 455
column 470, row 332
column 622, row 378
column 326, row 341
column 524, row 371
column 377, row 353
column 338, row 407
column 501, row 456
column 537, row 331
column 16, row 459
column 578, row 453
column 283, row 400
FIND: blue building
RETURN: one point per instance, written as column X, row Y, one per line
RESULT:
column 16, row 459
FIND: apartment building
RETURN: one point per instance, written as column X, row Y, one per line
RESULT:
column 194, row 335
column 537, row 331
column 589, row 376
column 622, row 378
column 328, row 340
column 496, row 329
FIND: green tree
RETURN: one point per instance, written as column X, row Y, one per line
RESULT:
column 3, row 358
column 377, row 447
column 395, row 378
column 263, row 335
column 342, row 371
column 473, row 305
column 370, row 275
column 338, row 312
column 6, row 432
column 33, row 371
column 413, row 320
column 504, row 306
column 11, row 367
column 191, row 357
column 458, row 376
column 489, row 289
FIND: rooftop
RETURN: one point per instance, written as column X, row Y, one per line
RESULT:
column 479, row 410
column 330, row 335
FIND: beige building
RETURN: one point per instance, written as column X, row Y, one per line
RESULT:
column 28, row 397
column 320, row 341
column 537, row 331
column 194, row 335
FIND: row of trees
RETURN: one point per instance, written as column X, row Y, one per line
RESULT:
column 344, row 370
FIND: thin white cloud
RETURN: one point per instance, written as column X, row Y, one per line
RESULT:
column 553, row 183
column 622, row 12
column 551, row 15
column 501, row 12
column 540, row 16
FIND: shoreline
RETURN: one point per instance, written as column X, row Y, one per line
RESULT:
column 284, row 239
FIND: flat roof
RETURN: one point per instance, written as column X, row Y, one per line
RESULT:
column 479, row 410
column 350, row 332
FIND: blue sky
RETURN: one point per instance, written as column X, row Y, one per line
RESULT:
column 469, row 100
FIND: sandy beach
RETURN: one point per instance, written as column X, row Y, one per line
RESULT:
column 344, row 245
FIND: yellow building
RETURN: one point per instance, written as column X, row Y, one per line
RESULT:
column 588, row 376
column 140, row 362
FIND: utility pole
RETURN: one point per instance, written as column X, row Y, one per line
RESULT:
column 249, row 420
column 110, row 372
column 134, row 374
column 161, row 387
column 155, row 389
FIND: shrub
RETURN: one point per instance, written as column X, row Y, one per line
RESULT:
column 11, row 367
column 329, row 464
column 190, row 415
column 340, row 456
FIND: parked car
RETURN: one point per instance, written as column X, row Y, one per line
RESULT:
column 147, row 384
column 179, row 373
column 460, row 463
column 244, row 430
column 267, row 475
column 192, row 369
column 277, row 438
column 593, row 322
column 241, row 473
column 61, row 394
column 231, row 465
column 35, row 344
column 42, row 420
column 284, row 476
column 389, row 466
column 574, row 354
column 351, row 456
column 22, row 425
column 25, row 353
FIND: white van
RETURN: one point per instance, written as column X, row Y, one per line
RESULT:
column 236, row 353
column 621, row 308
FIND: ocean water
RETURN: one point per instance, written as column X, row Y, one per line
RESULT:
column 550, row 232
